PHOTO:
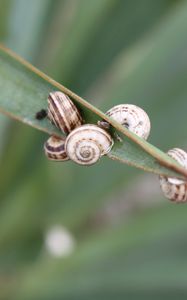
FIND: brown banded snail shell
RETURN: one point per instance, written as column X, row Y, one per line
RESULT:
column 63, row 113
column 173, row 188
column 86, row 144
column 130, row 116
column 54, row 149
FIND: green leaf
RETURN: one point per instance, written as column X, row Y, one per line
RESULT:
column 24, row 91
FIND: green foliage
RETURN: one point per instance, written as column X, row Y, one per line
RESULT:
column 130, row 242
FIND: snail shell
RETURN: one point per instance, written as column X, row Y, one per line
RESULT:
column 132, row 117
column 86, row 144
column 173, row 188
column 62, row 112
column 55, row 150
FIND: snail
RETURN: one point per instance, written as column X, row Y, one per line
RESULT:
column 86, row 144
column 63, row 113
column 173, row 188
column 54, row 149
column 130, row 116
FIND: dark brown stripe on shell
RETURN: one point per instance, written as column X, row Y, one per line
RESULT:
column 55, row 149
column 58, row 117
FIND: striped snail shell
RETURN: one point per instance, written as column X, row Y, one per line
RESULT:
column 86, row 144
column 173, row 188
column 54, row 149
column 63, row 113
column 130, row 116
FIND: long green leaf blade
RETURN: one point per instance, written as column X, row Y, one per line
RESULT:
column 24, row 91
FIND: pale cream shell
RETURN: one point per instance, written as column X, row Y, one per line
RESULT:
column 132, row 117
column 173, row 188
column 86, row 144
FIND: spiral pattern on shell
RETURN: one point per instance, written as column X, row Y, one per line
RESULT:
column 86, row 144
column 55, row 150
column 132, row 117
column 63, row 113
column 173, row 188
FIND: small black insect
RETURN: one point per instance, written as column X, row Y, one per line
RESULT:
column 40, row 115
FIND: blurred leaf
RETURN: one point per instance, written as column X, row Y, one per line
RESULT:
column 152, row 75
column 122, row 25
column 23, row 84
column 26, row 24
column 75, row 23
column 145, row 256
column 4, row 10
column 18, row 160
column 88, row 36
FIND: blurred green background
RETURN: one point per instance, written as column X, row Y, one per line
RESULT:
column 104, row 232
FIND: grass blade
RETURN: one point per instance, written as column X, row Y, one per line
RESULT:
column 24, row 91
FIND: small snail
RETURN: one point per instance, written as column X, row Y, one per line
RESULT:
column 54, row 149
column 132, row 117
column 62, row 112
column 173, row 188
column 86, row 144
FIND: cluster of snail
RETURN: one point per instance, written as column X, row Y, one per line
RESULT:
column 85, row 144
